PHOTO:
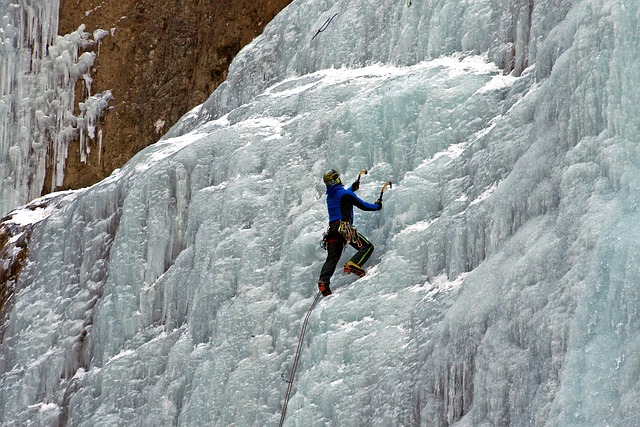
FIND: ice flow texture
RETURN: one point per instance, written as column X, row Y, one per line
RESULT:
column 503, row 290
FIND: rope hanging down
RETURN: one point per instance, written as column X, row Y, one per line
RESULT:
column 297, row 357
column 324, row 26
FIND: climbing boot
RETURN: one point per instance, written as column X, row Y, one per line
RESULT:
column 324, row 289
column 352, row 267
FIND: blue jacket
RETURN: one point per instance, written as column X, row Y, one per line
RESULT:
column 341, row 201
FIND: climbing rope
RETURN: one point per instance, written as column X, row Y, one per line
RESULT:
column 297, row 357
column 324, row 26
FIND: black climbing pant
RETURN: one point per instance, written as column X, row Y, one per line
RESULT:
column 335, row 246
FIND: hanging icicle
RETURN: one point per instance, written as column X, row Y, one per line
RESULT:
column 38, row 74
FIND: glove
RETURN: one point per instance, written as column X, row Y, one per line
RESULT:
column 355, row 186
column 379, row 203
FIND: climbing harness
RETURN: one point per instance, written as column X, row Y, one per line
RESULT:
column 297, row 357
column 349, row 232
column 324, row 26
column 329, row 235
column 346, row 230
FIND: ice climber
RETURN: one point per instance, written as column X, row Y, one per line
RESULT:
column 340, row 203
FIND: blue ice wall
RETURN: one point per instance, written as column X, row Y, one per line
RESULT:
column 503, row 288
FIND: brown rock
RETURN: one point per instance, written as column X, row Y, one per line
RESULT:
column 164, row 58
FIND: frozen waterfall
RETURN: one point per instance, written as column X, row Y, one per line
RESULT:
column 503, row 290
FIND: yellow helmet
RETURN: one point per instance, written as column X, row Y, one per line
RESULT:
column 331, row 177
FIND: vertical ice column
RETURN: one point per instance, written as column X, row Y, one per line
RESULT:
column 38, row 75
column 28, row 28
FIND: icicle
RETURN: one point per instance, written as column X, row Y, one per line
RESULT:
column 38, row 74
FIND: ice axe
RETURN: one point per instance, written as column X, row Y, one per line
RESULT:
column 356, row 184
column 362, row 172
column 384, row 187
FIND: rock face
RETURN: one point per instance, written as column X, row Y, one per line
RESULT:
column 161, row 59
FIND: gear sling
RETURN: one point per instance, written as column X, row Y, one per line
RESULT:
column 338, row 235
